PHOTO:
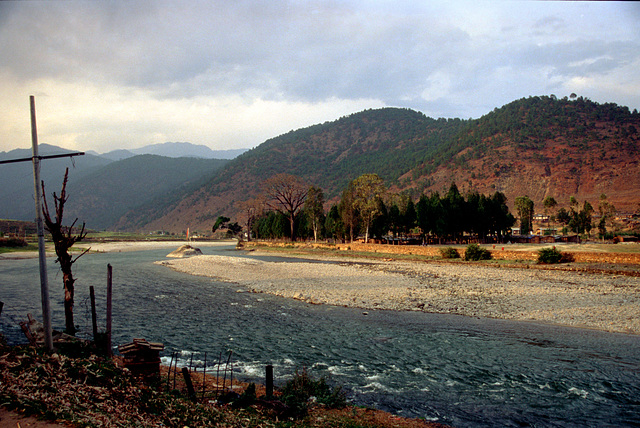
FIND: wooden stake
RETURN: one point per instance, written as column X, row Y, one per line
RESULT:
column 109, row 293
column 187, row 380
column 269, row 381
column 204, row 374
column 94, row 317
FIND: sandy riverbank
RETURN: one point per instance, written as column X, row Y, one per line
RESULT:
column 600, row 301
column 118, row 247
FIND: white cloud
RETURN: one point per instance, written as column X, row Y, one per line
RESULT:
column 232, row 74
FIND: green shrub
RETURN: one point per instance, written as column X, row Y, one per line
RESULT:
column 449, row 253
column 475, row 252
column 549, row 256
column 298, row 392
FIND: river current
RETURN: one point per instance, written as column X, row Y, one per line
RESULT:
column 461, row 371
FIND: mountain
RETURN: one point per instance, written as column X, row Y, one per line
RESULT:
column 173, row 150
column 177, row 150
column 101, row 191
column 102, row 197
column 538, row 146
column 16, row 192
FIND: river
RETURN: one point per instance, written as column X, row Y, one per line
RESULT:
column 461, row 371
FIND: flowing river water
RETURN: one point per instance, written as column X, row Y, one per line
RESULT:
column 456, row 370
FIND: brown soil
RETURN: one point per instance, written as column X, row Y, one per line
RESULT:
column 11, row 419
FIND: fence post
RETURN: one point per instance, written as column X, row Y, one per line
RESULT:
column 187, row 380
column 94, row 321
column 269, row 381
column 109, row 295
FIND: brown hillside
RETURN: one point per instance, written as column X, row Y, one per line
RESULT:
column 539, row 147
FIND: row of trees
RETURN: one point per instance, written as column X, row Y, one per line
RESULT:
column 289, row 208
column 578, row 218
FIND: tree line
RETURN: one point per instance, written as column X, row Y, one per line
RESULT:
column 291, row 209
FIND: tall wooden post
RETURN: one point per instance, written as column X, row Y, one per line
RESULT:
column 94, row 316
column 269, row 382
column 109, row 293
column 42, row 255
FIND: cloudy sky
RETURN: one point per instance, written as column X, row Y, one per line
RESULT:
column 231, row 74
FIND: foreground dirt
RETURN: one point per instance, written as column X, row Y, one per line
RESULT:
column 11, row 419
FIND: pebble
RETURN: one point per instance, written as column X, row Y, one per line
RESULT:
column 599, row 301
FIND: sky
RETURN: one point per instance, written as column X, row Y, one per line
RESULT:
column 122, row 74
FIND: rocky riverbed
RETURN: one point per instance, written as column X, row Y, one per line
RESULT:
column 588, row 300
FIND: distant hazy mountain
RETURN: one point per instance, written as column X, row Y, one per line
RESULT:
column 178, row 150
column 173, row 150
column 101, row 197
column 100, row 190
column 16, row 191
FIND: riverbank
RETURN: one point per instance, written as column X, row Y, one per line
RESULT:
column 585, row 299
column 117, row 247
column 42, row 390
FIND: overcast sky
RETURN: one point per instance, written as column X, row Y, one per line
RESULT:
column 231, row 74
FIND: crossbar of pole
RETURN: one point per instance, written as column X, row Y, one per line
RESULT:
column 65, row 155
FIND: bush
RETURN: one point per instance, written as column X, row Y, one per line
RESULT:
column 449, row 253
column 298, row 392
column 549, row 256
column 474, row 252
column 12, row 242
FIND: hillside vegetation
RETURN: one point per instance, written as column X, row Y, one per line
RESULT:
column 537, row 146
column 101, row 198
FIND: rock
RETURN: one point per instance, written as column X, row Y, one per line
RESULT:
column 185, row 251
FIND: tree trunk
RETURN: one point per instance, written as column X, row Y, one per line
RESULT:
column 292, row 223
column 67, row 278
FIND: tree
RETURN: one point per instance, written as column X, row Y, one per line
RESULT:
column 63, row 240
column 580, row 221
column 394, row 219
column 549, row 204
column 524, row 205
column 333, row 223
column 607, row 213
column 252, row 208
column 348, row 211
column 286, row 194
column 220, row 223
column 454, row 206
column 368, row 191
column 563, row 217
column 314, row 208
column 501, row 218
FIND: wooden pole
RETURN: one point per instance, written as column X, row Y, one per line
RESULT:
column 109, row 294
column 269, row 381
column 94, row 316
column 187, row 381
column 42, row 255
column 204, row 374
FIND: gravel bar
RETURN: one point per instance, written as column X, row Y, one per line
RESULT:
column 587, row 300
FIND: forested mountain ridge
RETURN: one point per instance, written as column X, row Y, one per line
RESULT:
column 389, row 141
column 542, row 146
column 538, row 146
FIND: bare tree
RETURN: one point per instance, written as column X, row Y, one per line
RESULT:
column 252, row 208
column 286, row 193
column 63, row 240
